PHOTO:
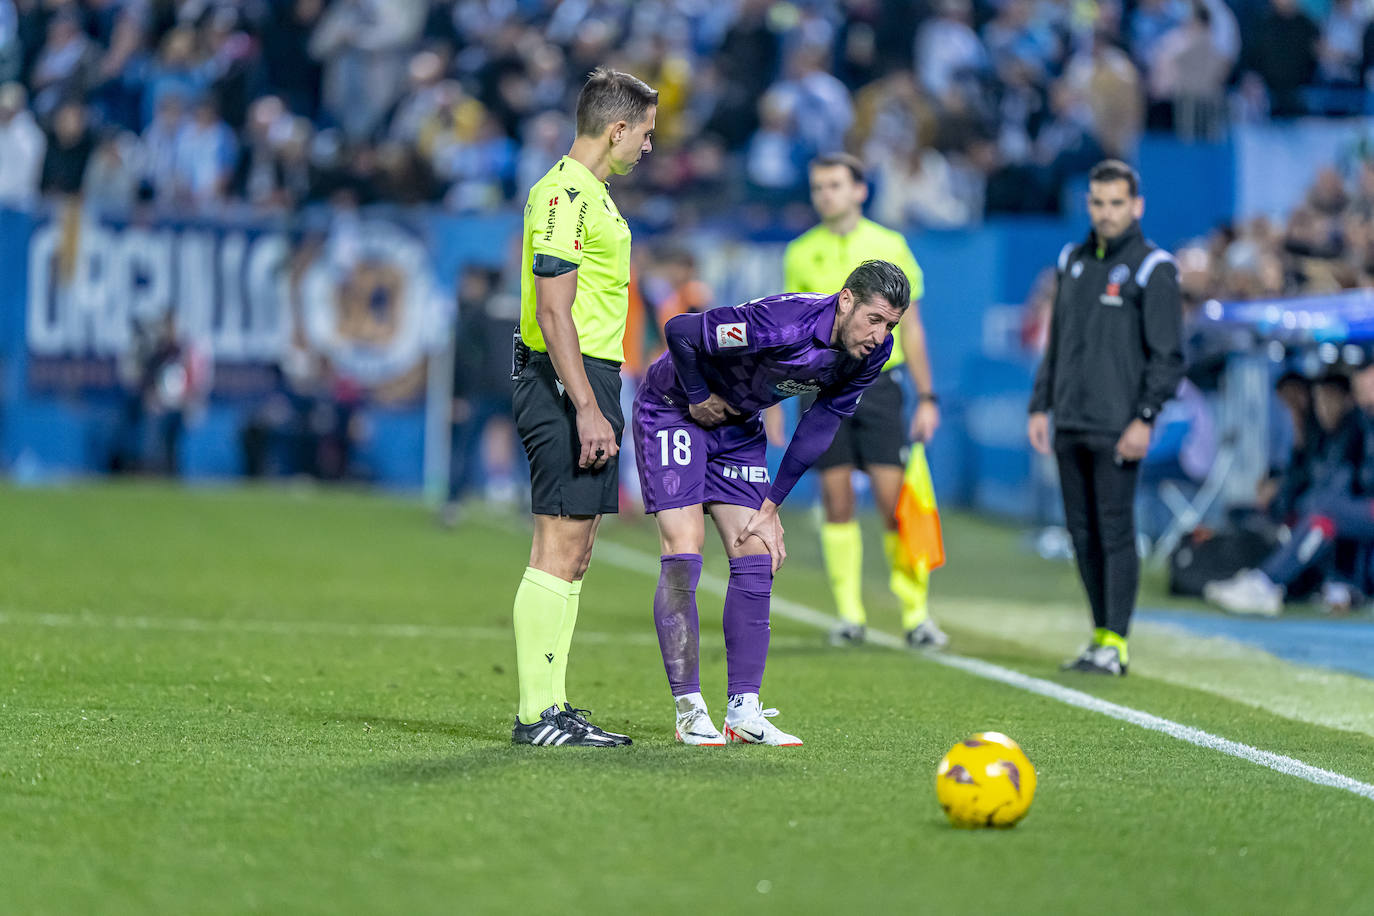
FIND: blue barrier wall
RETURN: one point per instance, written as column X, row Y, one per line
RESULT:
column 978, row 458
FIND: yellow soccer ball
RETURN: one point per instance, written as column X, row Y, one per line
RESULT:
column 985, row 781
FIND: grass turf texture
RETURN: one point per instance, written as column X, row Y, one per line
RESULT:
column 206, row 706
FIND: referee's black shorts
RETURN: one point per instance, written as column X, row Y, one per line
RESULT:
column 547, row 422
column 875, row 435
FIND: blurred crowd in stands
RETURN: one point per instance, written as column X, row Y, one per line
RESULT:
column 959, row 108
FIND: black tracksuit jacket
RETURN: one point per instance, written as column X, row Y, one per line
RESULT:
column 1115, row 344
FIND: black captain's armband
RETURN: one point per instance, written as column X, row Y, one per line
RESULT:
column 547, row 265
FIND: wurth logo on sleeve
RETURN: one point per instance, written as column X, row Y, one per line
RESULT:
column 732, row 335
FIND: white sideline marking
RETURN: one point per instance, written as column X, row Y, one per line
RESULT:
column 636, row 561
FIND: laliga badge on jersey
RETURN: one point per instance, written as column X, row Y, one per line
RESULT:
column 732, row 335
column 1119, row 274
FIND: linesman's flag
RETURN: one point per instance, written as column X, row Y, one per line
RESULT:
column 918, row 518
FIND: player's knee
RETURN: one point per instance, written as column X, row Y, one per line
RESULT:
column 681, row 543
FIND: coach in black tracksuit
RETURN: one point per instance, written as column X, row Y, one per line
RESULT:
column 1114, row 357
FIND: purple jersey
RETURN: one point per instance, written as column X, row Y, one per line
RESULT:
column 767, row 350
column 752, row 355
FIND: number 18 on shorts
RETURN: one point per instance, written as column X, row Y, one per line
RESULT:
column 681, row 464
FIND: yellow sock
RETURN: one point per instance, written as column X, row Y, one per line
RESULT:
column 1117, row 642
column 565, row 634
column 539, row 604
column 910, row 584
column 843, row 549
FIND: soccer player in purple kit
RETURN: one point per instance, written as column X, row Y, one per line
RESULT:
column 700, row 445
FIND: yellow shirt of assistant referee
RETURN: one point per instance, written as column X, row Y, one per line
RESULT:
column 570, row 215
column 819, row 261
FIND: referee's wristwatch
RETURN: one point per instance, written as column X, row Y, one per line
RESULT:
column 930, row 396
column 1148, row 414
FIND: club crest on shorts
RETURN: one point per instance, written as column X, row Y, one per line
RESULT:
column 671, row 482
column 735, row 334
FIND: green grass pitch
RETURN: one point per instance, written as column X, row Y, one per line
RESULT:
column 233, row 701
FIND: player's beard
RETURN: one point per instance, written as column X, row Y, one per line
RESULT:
column 850, row 348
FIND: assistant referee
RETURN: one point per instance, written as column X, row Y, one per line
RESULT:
column 574, row 299
column 874, row 440
column 1114, row 357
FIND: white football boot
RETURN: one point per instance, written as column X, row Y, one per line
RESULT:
column 1247, row 592
column 694, row 725
column 926, row 635
column 747, row 723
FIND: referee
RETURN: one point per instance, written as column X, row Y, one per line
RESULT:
column 574, row 298
column 1114, row 357
column 873, row 440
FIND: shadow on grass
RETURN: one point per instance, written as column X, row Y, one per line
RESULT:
column 658, row 758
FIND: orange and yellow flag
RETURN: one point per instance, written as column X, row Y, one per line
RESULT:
column 918, row 518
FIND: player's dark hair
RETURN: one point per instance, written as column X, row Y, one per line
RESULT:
column 830, row 160
column 1116, row 170
column 880, row 278
column 609, row 96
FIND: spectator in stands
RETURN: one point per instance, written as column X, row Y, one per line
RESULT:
column 1340, row 51
column 159, row 143
column 112, row 177
column 748, row 59
column 178, row 71
column 203, row 156
column 289, row 68
column 919, row 189
column 1283, row 52
column 364, row 46
column 1187, row 80
column 1277, row 495
column 65, row 66
column 1104, row 76
column 22, row 146
column 257, row 176
column 425, row 93
column 231, row 64
column 822, row 111
column 1338, row 505
column 120, row 28
column 1150, row 21
column 775, row 163
column 1016, row 37
column 948, row 50
column 69, row 150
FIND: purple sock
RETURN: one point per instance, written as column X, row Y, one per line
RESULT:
column 746, row 622
column 675, row 617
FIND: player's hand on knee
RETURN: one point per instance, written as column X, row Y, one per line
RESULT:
column 712, row 412
column 597, row 438
column 765, row 525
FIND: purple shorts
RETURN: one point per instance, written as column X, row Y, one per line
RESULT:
column 681, row 464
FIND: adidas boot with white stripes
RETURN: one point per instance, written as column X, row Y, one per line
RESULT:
column 557, row 728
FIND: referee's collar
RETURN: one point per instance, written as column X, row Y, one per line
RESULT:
column 824, row 328
column 584, row 174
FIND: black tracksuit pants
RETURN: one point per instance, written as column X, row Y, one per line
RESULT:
column 1099, row 511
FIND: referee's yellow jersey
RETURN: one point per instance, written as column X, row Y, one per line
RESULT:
column 819, row 261
column 570, row 215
